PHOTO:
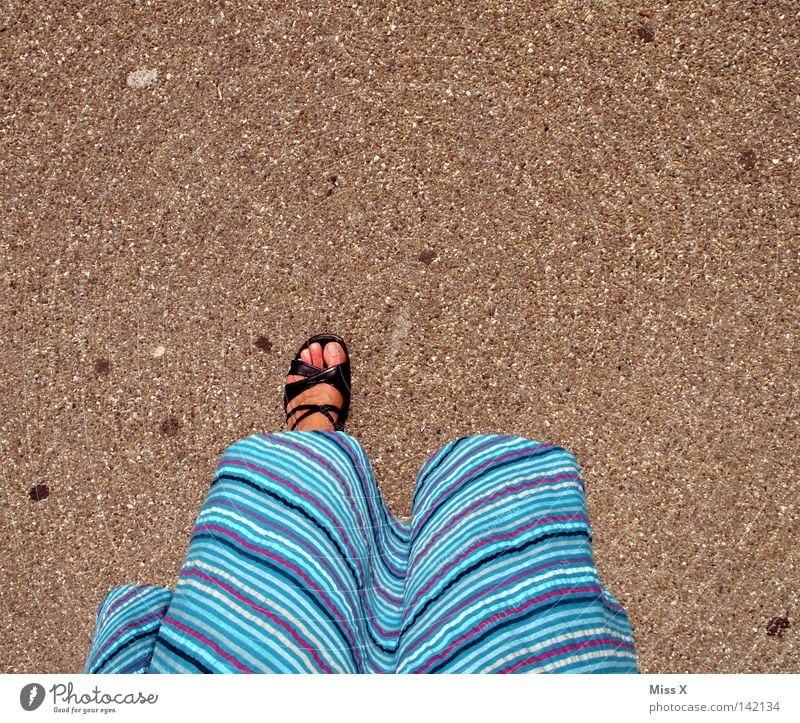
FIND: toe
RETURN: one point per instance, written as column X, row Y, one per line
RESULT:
column 305, row 357
column 316, row 355
column 334, row 354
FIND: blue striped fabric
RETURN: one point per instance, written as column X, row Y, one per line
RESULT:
column 296, row 565
column 127, row 625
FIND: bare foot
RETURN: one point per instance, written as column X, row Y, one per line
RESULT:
column 316, row 356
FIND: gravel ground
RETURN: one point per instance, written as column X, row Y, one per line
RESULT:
column 573, row 221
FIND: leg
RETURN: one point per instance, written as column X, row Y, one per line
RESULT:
column 294, row 565
column 501, row 572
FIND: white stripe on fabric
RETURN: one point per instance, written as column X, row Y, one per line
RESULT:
column 486, row 606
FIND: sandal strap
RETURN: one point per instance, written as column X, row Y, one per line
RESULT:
column 336, row 376
column 313, row 409
column 298, row 366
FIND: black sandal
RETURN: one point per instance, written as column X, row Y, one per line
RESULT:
column 337, row 376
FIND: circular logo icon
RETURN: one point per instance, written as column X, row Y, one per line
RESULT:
column 32, row 696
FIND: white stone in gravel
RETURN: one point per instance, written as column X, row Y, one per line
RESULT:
column 142, row 78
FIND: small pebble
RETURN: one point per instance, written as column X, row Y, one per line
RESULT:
column 777, row 625
column 263, row 343
column 142, row 78
column 39, row 492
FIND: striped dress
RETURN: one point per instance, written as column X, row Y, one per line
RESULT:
column 296, row 565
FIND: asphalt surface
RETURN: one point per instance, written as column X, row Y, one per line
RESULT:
column 576, row 222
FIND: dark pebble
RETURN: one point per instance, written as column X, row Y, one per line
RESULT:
column 264, row 344
column 170, row 426
column 777, row 625
column 747, row 159
column 646, row 34
column 39, row 492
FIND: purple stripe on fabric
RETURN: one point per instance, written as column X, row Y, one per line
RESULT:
column 354, row 556
column 283, row 562
column 375, row 519
column 505, row 582
column 611, row 604
column 197, row 635
column 124, row 629
column 473, row 471
column 286, row 563
column 127, row 596
column 497, row 617
column 483, row 502
column 305, row 495
column 271, row 523
column 565, row 649
column 301, row 542
column 495, row 438
column 398, row 571
column 302, row 642
column 472, row 451
column 483, row 543
column 313, row 455
column 137, row 664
